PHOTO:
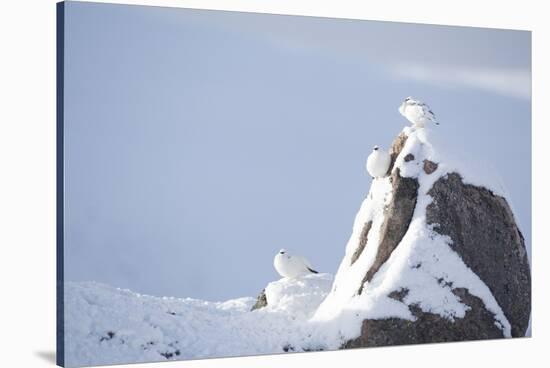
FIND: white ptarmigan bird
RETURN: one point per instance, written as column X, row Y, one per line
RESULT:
column 417, row 112
column 291, row 266
column 378, row 162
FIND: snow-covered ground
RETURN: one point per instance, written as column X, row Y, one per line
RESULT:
column 105, row 325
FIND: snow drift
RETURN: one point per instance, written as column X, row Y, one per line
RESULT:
column 105, row 325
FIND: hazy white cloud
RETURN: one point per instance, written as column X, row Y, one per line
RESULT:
column 514, row 82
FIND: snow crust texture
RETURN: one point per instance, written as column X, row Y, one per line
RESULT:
column 105, row 325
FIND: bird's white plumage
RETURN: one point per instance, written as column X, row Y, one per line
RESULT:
column 291, row 266
column 378, row 162
column 417, row 112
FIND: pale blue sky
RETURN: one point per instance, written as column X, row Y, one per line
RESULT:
column 199, row 143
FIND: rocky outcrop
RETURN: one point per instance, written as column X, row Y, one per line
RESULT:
column 429, row 327
column 261, row 301
column 362, row 242
column 398, row 215
column 395, row 150
column 486, row 237
column 430, row 167
column 482, row 231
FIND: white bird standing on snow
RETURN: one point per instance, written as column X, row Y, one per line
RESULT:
column 417, row 112
column 378, row 162
column 291, row 266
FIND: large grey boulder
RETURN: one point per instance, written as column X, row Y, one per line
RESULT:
column 428, row 327
column 484, row 234
column 488, row 240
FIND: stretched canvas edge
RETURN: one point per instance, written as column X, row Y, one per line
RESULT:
column 60, row 309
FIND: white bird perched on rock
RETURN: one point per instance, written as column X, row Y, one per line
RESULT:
column 417, row 112
column 291, row 266
column 378, row 162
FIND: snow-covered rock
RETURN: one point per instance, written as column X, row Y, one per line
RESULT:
column 296, row 296
column 435, row 255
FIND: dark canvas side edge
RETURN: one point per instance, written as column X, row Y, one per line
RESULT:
column 60, row 38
